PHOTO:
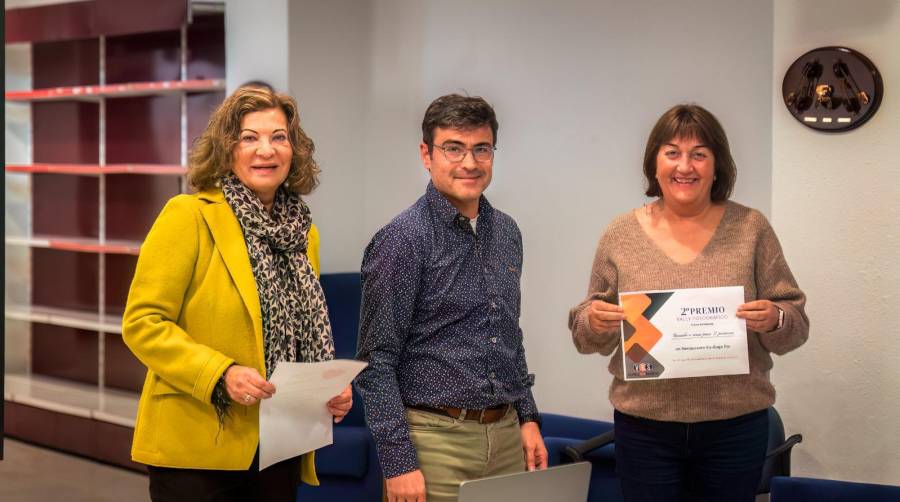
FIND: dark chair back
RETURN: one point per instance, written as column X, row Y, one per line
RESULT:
column 821, row 490
column 562, row 433
column 343, row 296
column 778, row 456
column 348, row 469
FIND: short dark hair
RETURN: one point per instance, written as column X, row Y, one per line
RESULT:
column 691, row 121
column 457, row 112
column 258, row 84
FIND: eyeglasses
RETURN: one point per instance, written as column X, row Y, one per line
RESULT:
column 456, row 153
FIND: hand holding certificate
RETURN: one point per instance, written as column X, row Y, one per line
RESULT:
column 683, row 333
column 296, row 420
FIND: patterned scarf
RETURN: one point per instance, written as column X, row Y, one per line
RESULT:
column 294, row 314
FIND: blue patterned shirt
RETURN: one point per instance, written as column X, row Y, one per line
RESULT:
column 440, row 320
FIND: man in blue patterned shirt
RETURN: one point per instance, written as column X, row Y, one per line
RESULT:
column 447, row 392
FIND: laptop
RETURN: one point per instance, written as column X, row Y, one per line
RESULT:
column 563, row 483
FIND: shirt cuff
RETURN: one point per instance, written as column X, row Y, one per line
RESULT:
column 536, row 418
column 527, row 409
column 398, row 459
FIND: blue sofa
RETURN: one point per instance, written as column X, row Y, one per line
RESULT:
column 348, row 469
column 826, row 490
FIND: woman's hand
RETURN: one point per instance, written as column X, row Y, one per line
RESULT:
column 761, row 315
column 604, row 317
column 246, row 386
column 340, row 404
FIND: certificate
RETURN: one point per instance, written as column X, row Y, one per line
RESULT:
column 683, row 333
column 295, row 419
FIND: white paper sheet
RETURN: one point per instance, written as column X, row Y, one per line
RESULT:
column 295, row 420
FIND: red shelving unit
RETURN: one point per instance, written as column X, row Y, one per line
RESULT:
column 95, row 92
column 112, row 115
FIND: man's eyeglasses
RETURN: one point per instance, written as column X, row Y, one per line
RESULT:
column 456, row 153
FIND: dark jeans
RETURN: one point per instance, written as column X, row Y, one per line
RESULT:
column 720, row 460
column 275, row 483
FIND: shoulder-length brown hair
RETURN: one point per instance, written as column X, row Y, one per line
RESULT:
column 212, row 155
column 691, row 121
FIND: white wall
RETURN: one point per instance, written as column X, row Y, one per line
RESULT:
column 257, row 46
column 329, row 76
column 834, row 201
column 577, row 85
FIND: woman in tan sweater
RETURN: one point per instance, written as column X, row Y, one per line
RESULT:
column 701, row 438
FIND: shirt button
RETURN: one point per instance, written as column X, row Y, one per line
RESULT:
column 493, row 374
column 493, row 305
column 493, row 339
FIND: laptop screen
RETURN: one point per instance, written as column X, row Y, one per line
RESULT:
column 563, row 483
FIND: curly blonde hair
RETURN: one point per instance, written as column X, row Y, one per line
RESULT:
column 212, row 155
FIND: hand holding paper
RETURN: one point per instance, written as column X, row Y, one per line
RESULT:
column 246, row 386
column 340, row 405
column 296, row 419
column 604, row 317
column 761, row 315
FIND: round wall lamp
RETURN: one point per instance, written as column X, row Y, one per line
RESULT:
column 832, row 89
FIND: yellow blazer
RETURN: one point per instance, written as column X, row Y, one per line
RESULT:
column 193, row 310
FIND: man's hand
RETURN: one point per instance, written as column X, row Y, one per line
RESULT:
column 246, row 386
column 409, row 487
column 533, row 444
column 340, row 404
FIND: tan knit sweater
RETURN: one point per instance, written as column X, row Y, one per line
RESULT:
column 743, row 251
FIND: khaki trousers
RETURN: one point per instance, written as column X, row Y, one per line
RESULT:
column 451, row 451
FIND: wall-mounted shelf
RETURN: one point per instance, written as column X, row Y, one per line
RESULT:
column 69, row 318
column 77, row 244
column 72, row 398
column 96, row 169
column 132, row 89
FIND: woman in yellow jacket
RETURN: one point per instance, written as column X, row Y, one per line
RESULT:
column 226, row 286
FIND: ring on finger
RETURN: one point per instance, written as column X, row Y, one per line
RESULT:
column 248, row 398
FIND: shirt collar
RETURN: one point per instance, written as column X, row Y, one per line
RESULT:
column 447, row 213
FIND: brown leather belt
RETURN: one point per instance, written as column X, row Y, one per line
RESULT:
column 482, row 416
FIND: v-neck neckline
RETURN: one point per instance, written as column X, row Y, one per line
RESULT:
column 652, row 243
